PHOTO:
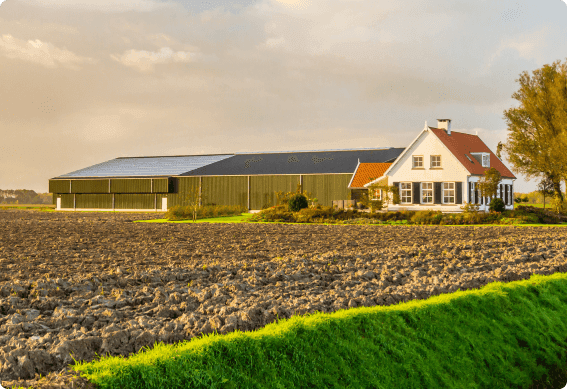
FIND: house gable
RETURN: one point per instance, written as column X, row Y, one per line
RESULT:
column 426, row 145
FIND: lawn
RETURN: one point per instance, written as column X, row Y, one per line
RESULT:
column 500, row 336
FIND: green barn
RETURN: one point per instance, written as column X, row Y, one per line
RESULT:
column 248, row 179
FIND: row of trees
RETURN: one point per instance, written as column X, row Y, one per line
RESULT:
column 537, row 129
column 24, row 196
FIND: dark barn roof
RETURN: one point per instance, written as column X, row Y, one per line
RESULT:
column 298, row 162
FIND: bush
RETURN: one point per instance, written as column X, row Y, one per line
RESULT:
column 496, row 205
column 297, row 202
column 427, row 217
column 179, row 212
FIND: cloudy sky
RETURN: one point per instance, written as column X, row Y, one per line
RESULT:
column 85, row 81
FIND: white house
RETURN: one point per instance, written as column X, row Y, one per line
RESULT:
column 440, row 170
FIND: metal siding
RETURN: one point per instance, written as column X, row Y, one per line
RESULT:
column 124, row 185
column 102, row 201
column 58, row 186
column 89, row 186
column 66, row 201
column 327, row 187
column 184, row 186
column 225, row 190
column 160, row 185
column 134, row 201
column 263, row 188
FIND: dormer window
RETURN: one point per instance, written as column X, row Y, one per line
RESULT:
column 482, row 158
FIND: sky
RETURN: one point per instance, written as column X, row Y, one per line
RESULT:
column 85, row 81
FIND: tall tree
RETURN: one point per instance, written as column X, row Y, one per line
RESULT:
column 537, row 129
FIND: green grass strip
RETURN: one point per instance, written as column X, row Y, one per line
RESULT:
column 499, row 336
column 244, row 218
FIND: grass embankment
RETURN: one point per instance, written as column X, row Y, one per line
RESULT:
column 245, row 217
column 500, row 336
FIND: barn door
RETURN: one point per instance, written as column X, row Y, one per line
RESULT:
column 58, row 202
column 164, row 204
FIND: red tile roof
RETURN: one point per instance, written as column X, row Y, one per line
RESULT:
column 462, row 145
column 367, row 172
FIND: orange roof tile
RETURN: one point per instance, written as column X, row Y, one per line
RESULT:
column 462, row 145
column 367, row 172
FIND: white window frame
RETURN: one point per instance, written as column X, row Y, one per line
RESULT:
column 402, row 189
column 414, row 162
column 444, row 190
column 485, row 160
column 431, row 165
column 423, row 190
column 376, row 194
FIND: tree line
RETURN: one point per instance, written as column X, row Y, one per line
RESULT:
column 24, row 196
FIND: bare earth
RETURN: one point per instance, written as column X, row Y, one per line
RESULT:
column 86, row 283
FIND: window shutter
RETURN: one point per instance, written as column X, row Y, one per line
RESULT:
column 459, row 194
column 470, row 192
column 512, row 194
column 437, row 192
column 476, row 201
column 501, row 192
column 416, row 188
column 506, row 194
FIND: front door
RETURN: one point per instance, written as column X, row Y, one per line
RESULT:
column 58, row 202
column 164, row 204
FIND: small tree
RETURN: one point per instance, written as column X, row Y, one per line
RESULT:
column 546, row 188
column 194, row 201
column 488, row 184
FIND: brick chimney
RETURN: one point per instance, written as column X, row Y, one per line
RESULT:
column 444, row 124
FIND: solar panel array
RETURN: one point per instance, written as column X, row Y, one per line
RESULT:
column 147, row 166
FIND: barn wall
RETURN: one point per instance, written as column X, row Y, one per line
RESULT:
column 66, row 200
column 184, row 186
column 103, row 201
column 135, row 201
column 327, row 187
column 225, row 190
column 263, row 188
column 160, row 185
column 89, row 186
column 59, row 186
column 125, row 185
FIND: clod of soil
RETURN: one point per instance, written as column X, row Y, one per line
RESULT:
column 80, row 284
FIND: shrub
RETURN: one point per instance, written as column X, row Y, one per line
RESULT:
column 297, row 202
column 496, row 205
column 376, row 205
column 179, row 212
column 470, row 208
column 518, row 200
column 426, row 217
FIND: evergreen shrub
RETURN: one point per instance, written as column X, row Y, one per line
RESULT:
column 496, row 205
column 297, row 202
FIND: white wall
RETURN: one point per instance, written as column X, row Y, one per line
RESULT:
column 451, row 170
column 505, row 181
